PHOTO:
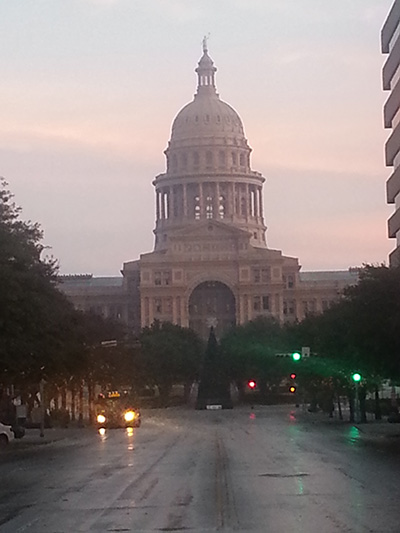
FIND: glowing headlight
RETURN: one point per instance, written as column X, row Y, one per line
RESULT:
column 101, row 419
column 129, row 416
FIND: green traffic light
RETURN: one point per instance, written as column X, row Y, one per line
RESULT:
column 356, row 377
column 296, row 356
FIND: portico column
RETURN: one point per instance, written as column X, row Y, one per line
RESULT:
column 184, row 317
column 202, row 214
column 185, row 210
column 162, row 193
column 151, row 310
column 158, row 205
column 217, row 201
column 247, row 202
column 261, row 209
column 143, row 316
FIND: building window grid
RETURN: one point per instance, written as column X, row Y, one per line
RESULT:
column 261, row 275
column 261, row 303
column 162, row 278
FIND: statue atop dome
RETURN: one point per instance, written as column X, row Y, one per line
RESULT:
column 205, row 39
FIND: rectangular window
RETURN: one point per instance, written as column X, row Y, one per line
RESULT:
column 166, row 278
column 265, row 275
column 257, row 303
column 265, row 303
column 256, row 275
column 168, row 305
column 157, row 278
column 158, row 305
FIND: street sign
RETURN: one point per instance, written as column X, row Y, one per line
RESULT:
column 305, row 351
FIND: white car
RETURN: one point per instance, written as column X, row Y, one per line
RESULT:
column 6, row 435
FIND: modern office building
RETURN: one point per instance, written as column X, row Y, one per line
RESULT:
column 390, row 77
column 211, row 264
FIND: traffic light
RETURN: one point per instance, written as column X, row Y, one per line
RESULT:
column 356, row 377
column 292, row 387
column 251, row 384
column 296, row 356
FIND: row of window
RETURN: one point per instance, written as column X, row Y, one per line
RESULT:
column 260, row 275
column 213, row 207
column 209, row 159
column 260, row 303
column 162, row 277
column 308, row 306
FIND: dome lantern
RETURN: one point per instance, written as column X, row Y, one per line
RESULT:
column 206, row 72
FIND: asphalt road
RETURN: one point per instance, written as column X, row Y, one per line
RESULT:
column 268, row 469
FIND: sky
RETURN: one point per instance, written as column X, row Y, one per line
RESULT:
column 89, row 90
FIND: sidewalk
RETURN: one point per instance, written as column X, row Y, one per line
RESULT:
column 373, row 429
column 51, row 435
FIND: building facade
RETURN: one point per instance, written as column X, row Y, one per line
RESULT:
column 211, row 264
column 390, row 78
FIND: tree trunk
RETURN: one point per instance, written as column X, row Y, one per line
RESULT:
column 73, row 405
column 378, row 413
column 350, row 396
column 362, row 397
column 164, row 390
column 90, row 401
column 63, row 398
column 80, row 416
column 339, row 406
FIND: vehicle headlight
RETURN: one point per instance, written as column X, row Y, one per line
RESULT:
column 101, row 419
column 129, row 416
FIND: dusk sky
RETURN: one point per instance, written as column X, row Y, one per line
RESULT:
column 89, row 90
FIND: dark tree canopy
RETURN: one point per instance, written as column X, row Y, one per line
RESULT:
column 36, row 320
column 170, row 354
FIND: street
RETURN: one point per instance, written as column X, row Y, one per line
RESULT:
column 268, row 469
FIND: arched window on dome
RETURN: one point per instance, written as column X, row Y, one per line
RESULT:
column 197, row 213
column 164, row 205
column 242, row 160
column 243, row 209
column 221, row 207
column 209, row 159
column 174, row 163
column 209, row 207
column 221, row 159
column 196, row 159
column 253, row 202
column 184, row 161
column 234, row 159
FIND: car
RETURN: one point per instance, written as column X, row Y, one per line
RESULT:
column 6, row 434
column 116, row 418
column 115, row 410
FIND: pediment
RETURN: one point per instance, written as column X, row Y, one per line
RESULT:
column 209, row 229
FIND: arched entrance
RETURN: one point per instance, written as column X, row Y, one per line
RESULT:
column 211, row 303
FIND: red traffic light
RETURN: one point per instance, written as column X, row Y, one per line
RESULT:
column 251, row 384
column 292, row 389
column 292, row 376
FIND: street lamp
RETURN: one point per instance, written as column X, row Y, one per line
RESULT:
column 356, row 377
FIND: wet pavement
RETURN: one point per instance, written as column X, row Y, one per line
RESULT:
column 267, row 469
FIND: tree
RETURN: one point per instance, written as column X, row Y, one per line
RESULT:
column 36, row 320
column 170, row 354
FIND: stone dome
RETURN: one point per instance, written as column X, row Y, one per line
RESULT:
column 207, row 115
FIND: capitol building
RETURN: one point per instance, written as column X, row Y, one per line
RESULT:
column 211, row 265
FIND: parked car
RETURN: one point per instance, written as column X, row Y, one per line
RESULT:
column 6, row 434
